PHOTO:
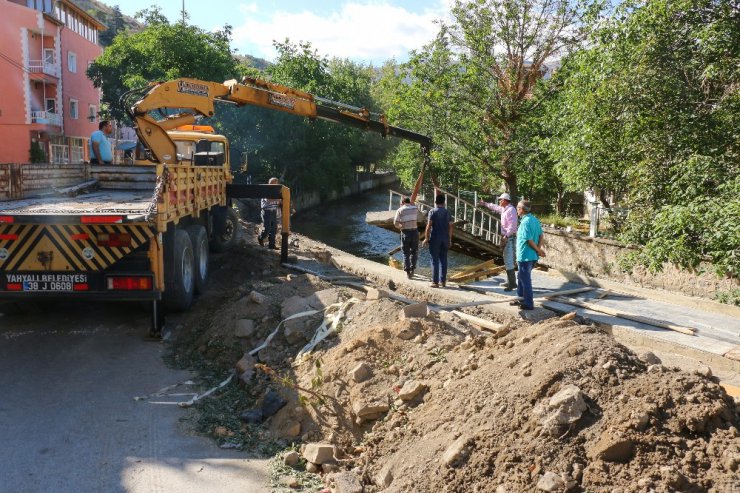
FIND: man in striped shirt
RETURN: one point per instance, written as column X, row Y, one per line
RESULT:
column 508, row 231
column 406, row 220
column 269, row 208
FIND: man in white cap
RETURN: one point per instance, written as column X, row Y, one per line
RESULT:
column 509, row 224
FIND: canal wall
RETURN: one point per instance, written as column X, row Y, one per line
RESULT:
column 303, row 201
column 598, row 258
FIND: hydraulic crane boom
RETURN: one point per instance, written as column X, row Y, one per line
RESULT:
column 197, row 97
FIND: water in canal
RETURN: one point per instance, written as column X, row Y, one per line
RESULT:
column 341, row 224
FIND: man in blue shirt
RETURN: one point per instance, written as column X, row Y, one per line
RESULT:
column 438, row 235
column 528, row 251
column 100, row 150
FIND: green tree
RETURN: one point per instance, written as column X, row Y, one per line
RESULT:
column 161, row 51
column 115, row 24
column 650, row 112
column 308, row 155
column 472, row 86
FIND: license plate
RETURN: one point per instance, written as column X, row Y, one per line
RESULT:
column 55, row 282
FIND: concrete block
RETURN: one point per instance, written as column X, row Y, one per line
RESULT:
column 416, row 310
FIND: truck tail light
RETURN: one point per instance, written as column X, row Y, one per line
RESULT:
column 114, row 239
column 101, row 219
column 9, row 237
column 130, row 283
column 81, row 286
column 14, row 286
column 7, row 219
column 79, row 237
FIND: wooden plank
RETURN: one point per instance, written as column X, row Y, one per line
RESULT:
column 395, row 250
column 628, row 316
column 476, row 303
column 554, row 294
column 480, row 322
column 478, row 274
column 473, row 268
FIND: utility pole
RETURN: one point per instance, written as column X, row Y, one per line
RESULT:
column 183, row 11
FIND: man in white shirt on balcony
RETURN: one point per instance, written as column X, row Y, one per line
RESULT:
column 100, row 149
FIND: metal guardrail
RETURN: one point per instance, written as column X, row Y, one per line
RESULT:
column 41, row 66
column 467, row 216
column 46, row 117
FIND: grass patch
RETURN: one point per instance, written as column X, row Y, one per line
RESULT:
column 307, row 482
column 559, row 221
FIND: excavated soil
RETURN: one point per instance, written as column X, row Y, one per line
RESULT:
column 443, row 406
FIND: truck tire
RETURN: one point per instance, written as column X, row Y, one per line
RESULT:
column 179, row 293
column 225, row 228
column 199, row 239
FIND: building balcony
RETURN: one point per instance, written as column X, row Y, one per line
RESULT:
column 46, row 118
column 42, row 67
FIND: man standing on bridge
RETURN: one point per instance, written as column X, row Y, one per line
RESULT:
column 508, row 231
column 406, row 220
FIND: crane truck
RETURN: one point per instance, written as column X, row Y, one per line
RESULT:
column 144, row 231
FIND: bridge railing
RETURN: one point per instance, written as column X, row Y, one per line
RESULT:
column 480, row 223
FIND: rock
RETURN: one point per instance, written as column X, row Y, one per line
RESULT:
column 416, row 310
column 370, row 410
column 272, row 403
column 294, row 305
column 252, row 417
column 730, row 460
column 296, row 330
column 550, row 482
column 456, row 452
column 569, row 316
column 246, row 365
column 319, row 453
column 408, row 329
column 313, row 468
column 657, row 368
column 564, row 408
column 649, row 358
column 321, row 299
column 258, row 298
column 375, row 294
column 291, row 458
column 244, row 328
column 704, row 371
column 411, row 389
column 384, row 478
column 347, row 482
column 329, row 468
column 611, row 447
column 292, row 483
column 361, row 372
column 292, row 429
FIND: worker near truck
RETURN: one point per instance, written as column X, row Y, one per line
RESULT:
column 508, row 231
column 438, row 235
column 528, row 252
column 269, row 208
column 406, row 220
column 100, row 149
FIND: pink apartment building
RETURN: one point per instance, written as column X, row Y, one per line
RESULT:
column 45, row 96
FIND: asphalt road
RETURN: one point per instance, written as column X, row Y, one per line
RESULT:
column 69, row 373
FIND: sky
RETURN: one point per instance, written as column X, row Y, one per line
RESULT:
column 366, row 31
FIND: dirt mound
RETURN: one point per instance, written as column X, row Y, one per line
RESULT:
column 432, row 403
column 548, row 407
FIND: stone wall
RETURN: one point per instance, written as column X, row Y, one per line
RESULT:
column 598, row 258
column 307, row 200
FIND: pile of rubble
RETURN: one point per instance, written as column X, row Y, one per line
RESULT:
column 397, row 401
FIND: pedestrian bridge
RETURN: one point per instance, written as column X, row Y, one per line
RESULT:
column 477, row 230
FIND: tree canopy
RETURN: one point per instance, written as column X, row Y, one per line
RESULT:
column 161, row 51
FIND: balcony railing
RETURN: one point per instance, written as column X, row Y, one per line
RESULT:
column 42, row 67
column 46, row 117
